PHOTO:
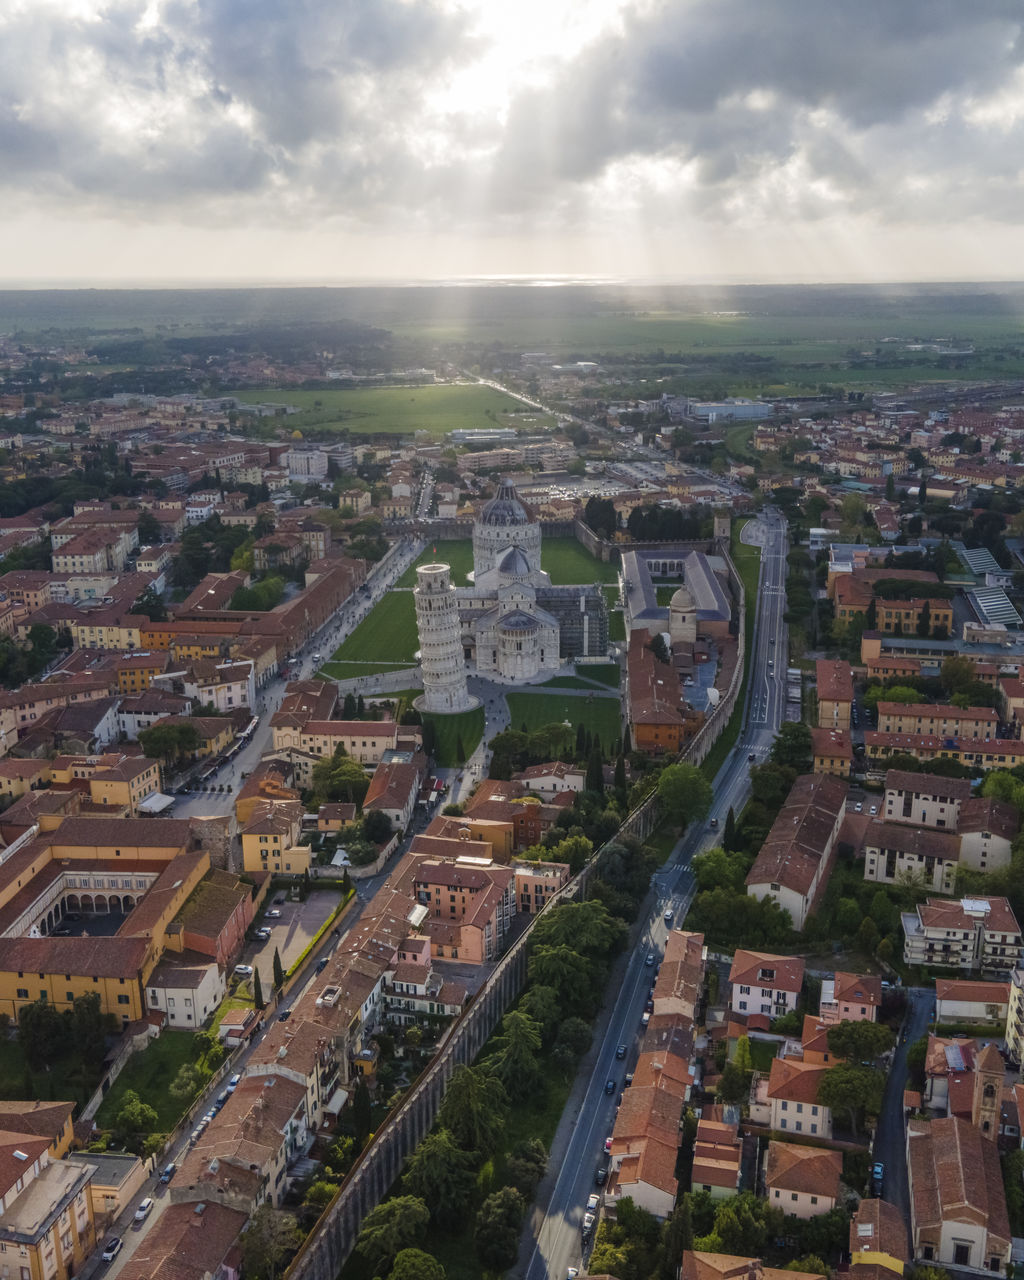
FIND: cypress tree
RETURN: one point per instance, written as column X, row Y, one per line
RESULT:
column 620, row 773
column 729, row 834
column 257, row 991
column 595, row 772
column 361, row 706
column 581, row 740
column 627, row 746
column 278, row 970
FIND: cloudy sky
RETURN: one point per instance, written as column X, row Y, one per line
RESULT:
column 678, row 139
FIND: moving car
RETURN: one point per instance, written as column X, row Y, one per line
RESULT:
column 620, row 1052
column 112, row 1248
column 877, row 1177
column 668, row 916
column 144, row 1209
column 609, row 1086
column 713, row 824
column 649, row 962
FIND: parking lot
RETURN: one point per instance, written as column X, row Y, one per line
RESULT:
column 292, row 932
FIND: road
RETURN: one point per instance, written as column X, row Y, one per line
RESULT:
column 553, row 1233
column 890, row 1139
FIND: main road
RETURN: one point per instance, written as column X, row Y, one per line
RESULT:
column 553, row 1238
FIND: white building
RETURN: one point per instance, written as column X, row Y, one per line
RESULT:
column 187, row 994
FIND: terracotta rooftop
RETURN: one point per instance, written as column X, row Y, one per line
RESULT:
column 761, row 968
column 955, row 1177
column 812, row 1170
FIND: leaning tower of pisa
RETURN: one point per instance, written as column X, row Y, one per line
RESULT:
column 440, row 633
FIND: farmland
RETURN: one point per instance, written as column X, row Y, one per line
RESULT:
column 435, row 410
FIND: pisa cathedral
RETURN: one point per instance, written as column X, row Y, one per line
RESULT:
column 514, row 624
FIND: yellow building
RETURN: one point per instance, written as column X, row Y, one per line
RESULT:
column 271, row 840
column 47, row 1229
column 107, row 632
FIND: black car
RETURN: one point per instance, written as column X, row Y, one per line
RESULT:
column 620, row 1052
column 609, row 1086
column 601, row 1177
column 321, row 965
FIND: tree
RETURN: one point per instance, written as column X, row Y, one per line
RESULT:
column 924, row 619
column 148, row 527
column 278, row 971
column 377, row 826
column 150, row 603
column 257, row 991
column 414, row 1264
column 474, row 1110
column 187, row 1082
column 391, row 1227
column 595, row 771
column 852, row 1088
column 134, row 1118
column 361, row 1111
column 684, row 793
column 659, row 648
column 87, row 1025
column 515, row 1062
column 497, row 1229
column 859, row 1041
column 620, row 772
column 441, row 1174
column 267, row 1242
column 792, row 746
column 41, row 1034
column 526, row 1165
column 957, row 673
column 678, row 1237
column 729, row 834
column 169, row 741
column 871, row 615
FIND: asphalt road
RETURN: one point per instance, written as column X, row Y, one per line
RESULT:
column 554, row 1230
column 890, row 1138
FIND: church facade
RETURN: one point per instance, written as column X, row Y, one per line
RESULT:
column 515, row 623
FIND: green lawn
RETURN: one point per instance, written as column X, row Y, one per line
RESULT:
column 458, row 552
column 601, row 715
column 435, row 410
column 387, row 635
column 663, row 840
column 465, row 728
column 762, row 1054
column 571, row 564
column 150, row 1073
column 616, row 620
column 609, row 673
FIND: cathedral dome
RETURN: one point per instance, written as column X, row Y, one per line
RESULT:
column 515, row 564
column 517, row 620
column 505, row 508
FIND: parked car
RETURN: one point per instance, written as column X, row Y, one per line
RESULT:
column 273, row 914
column 321, row 965
column 593, row 1200
column 264, row 933
column 169, row 1171
column 669, row 916
column 877, row 1177
column 112, row 1248
column 649, row 962
column 588, row 1223
column 279, row 900
column 234, row 1082
column 608, row 1145
column 144, row 1209
column 601, row 1177
column 284, row 1015
column 243, row 970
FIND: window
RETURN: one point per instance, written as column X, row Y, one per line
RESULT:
column 961, row 1254
column 814, row 1199
column 793, row 1196
column 23, row 993
column 123, row 1000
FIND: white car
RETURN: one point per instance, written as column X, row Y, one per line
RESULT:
column 144, row 1209
column 243, row 970
column 273, row 914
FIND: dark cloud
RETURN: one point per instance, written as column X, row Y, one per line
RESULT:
column 263, row 111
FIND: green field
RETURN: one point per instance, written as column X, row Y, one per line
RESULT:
column 387, row 635
column 601, row 715
column 458, row 552
column 150, row 1073
column 571, row 564
column 609, row 673
column 465, row 729
column 435, row 410
column 352, row 670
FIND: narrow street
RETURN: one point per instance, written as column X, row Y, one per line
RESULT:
column 890, row 1136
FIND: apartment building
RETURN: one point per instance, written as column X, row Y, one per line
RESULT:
column 850, row 997
column 924, row 799
column 795, row 860
column 834, row 688
column 944, row 721
column 717, row 1155
column 47, row 1226
column 895, row 852
column 793, row 1098
column 765, row 984
column 969, row 934
column 802, row 1181
column 832, row 752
